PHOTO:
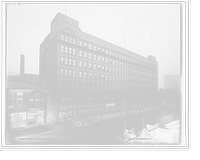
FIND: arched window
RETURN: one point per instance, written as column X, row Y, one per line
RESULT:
column 69, row 31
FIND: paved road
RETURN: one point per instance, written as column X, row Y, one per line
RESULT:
column 100, row 133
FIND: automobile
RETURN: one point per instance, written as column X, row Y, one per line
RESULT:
column 79, row 122
column 122, row 114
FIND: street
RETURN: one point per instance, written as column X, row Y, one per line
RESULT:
column 100, row 133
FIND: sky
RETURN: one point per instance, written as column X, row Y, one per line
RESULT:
column 146, row 29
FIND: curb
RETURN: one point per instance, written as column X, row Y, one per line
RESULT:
column 95, row 120
column 28, row 133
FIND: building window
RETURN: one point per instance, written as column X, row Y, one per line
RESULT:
column 90, row 85
column 90, row 46
column 106, row 96
column 90, row 55
column 110, row 53
column 66, row 84
column 103, row 85
column 99, row 58
column 74, row 52
column 95, row 57
column 37, row 103
column 110, row 87
column 11, row 103
column 94, row 47
column 80, row 74
column 70, row 40
column 19, row 93
column 31, row 103
column 113, row 70
column 62, row 37
column 99, row 67
column 19, row 103
column 95, row 76
column 119, row 63
column 113, row 78
column 113, row 54
column 90, row 76
column 106, row 88
column 117, row 55
column 74, row 62
column 80, row 53
column 80, row 43
column 70, row 85
column 110, row 61
column 61, row 84
column 95, row 66
column 116, row 63
column 66, row 49
column 70, row 73
column 70, row 61
column 106, row 77
column 106, row 51
column 110, row 78
column 85, row 75
column 117, row 71
column 99, row 76
column 106, row 60
column 103, row 77
column 66, row 38
column 90, row 65
column 103, row 59
column 106, row 68
column 70, row 50
column 37, row 93
column 85, row 55
column 61, row 59
column 110, row 69
column 85, row 64
column 74, row 41
column 62, row 48
column 61, row 72
column 103, row 68
column 66, row 60
column 80, row 63
column 85, row 44
column 74, row 73
column 65, row 72
column 11, row 94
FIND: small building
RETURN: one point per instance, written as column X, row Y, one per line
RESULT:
column 26, row 106
column 31, row 79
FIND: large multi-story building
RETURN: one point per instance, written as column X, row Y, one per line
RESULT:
column 87, row 75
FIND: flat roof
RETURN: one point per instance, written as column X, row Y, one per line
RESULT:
column 21, row 86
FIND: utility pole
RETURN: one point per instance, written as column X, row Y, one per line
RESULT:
column 125, row 110
column 143, row 92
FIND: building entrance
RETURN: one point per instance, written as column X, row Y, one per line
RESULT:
column 40, row 117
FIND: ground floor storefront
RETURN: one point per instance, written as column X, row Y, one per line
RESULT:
column 95, row 108
column 25, row 119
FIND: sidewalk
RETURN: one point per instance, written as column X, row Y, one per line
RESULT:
column 102, row 117
column 27, row 131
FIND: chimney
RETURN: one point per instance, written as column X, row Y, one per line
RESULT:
column 22, row 59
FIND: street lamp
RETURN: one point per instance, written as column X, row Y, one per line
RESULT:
column 143, row 92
